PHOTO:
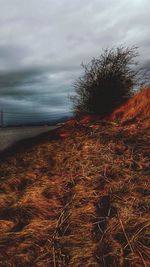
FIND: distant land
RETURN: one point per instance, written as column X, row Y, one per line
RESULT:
column 38, row 123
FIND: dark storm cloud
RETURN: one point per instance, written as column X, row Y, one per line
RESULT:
column 43, row 93
column 42, row 44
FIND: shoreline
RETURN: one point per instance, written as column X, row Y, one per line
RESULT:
column 9, row 136
column 27, row 143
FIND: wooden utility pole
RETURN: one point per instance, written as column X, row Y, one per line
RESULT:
column 2, row 118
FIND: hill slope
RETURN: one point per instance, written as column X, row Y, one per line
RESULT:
column 137, row 109
column 80, row 200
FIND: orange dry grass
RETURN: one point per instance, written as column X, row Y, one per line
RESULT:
column 79, row 201
column 136, row 109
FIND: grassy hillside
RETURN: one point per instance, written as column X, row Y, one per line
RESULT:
column 137, row 109
column 82, row 199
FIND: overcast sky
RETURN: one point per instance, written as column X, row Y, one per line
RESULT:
column 43, row 42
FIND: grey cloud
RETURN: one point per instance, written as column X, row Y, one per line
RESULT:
column 11, row 56
column 42, row 44
column 36, row 91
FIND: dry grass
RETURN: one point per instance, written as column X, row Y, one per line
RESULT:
column 79, row 201
column 137, row 109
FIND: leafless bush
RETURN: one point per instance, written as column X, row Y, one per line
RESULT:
column 107, row 82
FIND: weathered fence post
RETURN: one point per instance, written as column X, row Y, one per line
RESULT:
column 2, row 118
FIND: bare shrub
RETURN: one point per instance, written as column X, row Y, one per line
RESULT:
column 107, row 82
